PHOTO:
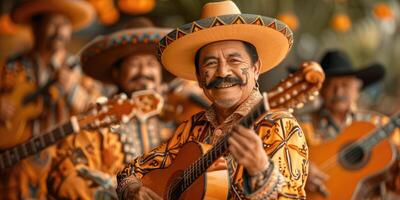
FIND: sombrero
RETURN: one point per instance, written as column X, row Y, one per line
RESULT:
column 99, row 56
column 224, row 21
column 80, row 12
column 337, row 63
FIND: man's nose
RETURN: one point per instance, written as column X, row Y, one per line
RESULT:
column 223, row 69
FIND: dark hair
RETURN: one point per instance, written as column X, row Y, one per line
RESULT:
column 250, row 49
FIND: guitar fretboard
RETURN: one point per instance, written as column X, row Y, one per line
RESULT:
column 201, row 165
column 381, row 133
column 13, row 155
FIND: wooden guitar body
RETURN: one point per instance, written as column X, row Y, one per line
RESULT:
column 347, row 176
column 211, row 185
column 14, row 130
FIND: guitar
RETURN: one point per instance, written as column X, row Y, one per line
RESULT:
column 186, row 178
column 142, row 105
column 25, row 99
column 354, row 159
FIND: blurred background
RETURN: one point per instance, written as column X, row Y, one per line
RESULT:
column 368, row 30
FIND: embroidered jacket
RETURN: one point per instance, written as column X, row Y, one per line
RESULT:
column 27, row 179
column 105, row 152
column 283, row 142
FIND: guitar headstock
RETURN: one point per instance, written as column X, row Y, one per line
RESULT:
column 300, row 87
column 121, row 109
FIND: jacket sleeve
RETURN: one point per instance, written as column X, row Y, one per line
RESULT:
column 160, row 157
column 285, row 143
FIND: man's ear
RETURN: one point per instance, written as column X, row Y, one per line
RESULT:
column 115, row 74
column 199, row 81
column 257, row 68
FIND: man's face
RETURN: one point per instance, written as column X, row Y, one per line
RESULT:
column 226, row 73
column 340, row 93
column 138, row 72
column 54, row 32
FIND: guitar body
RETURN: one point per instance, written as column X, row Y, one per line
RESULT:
column 347, row 179
column 14, row 129
column 210, row 186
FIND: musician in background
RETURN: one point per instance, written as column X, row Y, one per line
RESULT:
column 226, row 56
column 340, row 94
column 49, row 66
column 126, row 59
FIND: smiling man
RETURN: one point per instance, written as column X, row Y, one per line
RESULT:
column 226, row 51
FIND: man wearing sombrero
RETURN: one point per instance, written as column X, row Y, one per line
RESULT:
column 225, row 51
column 46, row 64
column 128, row 60
column 339, row 109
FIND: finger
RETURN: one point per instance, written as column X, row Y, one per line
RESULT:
column 235, row 149
column 153, row 195
column 246, row 133
column 243, row 141
column 143, row 195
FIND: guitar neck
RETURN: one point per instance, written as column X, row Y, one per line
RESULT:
column 33, row 146
column 381, row 133
column 200, row 166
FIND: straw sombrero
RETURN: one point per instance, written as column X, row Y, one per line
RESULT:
column 224, row 21
column 80, row 12
column 99, row 56
column 337, row 63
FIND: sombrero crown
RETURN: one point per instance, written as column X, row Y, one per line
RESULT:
column 101, row 54
column 79, row 12
column 223, row 21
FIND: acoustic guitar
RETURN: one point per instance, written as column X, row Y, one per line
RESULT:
column 186, row 178
column 141, row 105
column 353, row 161
column 25, row 98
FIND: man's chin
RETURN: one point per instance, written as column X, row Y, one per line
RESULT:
column 226, row 103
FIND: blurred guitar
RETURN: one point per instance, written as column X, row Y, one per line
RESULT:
column 26, row 99
column 142, row 105
column 354, row 161
column 186, row 178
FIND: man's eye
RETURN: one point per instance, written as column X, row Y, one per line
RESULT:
column 211, row 63
column 234, row 61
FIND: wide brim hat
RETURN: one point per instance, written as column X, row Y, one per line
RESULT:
column 79, row 12
column 337, row 63
column 223, row 21
column 99, row 56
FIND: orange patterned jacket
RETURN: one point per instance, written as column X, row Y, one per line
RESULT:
column 283, row 141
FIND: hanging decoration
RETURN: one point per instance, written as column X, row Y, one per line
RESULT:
column 7, row 27
column 290, row 19
column 106, row 11
column 382, row 11
column 136, row 7
column 341, row 22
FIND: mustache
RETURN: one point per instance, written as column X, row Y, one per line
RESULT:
column 136, row 78
column 338, row 98
column 229, row 79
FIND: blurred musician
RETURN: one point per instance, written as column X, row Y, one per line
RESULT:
column 126, row 59
column 55, row 78
column 340, row 93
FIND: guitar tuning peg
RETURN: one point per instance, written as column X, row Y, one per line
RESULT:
column 281, row 100
column 101, row 100
column 287, row 96
column 299, row 105
column 280, row 89
column 123, row 96
column 273, row 104
column 290, row 110
column 289, row 84
column 311, row 98
column 125, row 119
column 295, row 92
column 315, row 93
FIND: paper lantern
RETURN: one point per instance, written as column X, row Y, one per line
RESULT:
column 289, row 19
column 136, row 6
column 383, row 11
column 341, row 22
column 7, row 27
column 109, row 16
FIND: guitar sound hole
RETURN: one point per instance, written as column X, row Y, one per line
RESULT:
column 353, row 157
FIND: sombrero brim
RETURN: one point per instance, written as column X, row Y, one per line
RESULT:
column 272, row 39
column 100, row 55
column 81, row 13
column 368, row 75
